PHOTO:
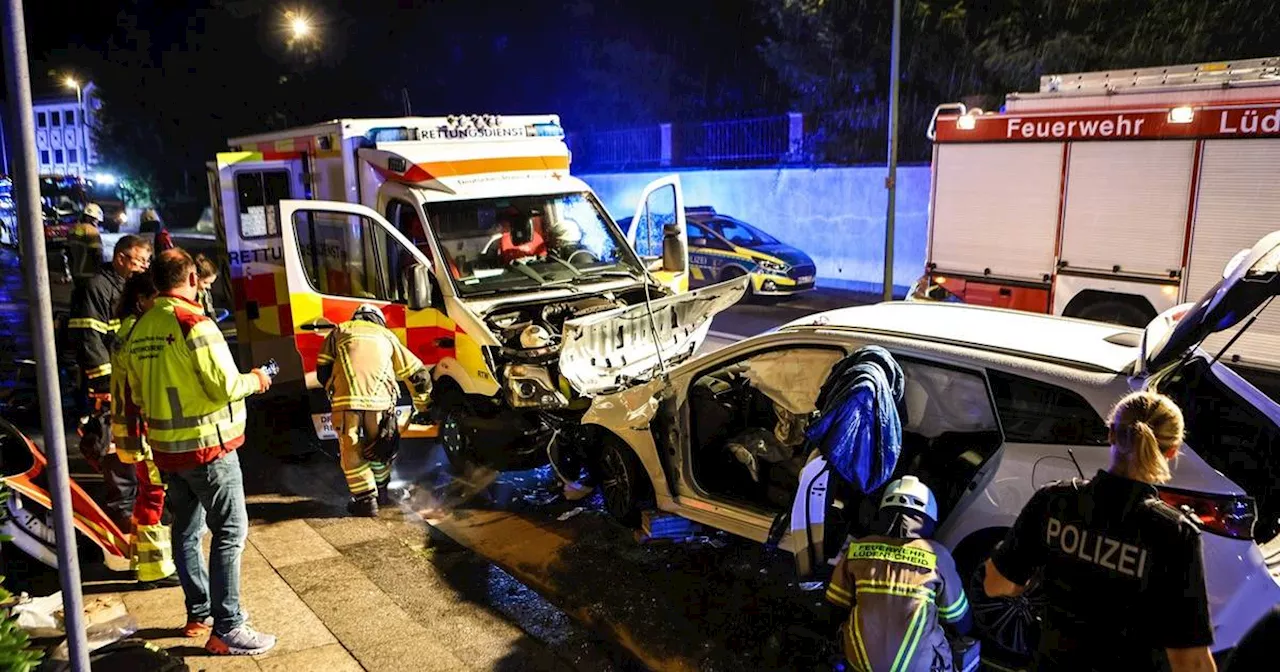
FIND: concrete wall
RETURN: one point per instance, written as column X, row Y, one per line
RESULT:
column 836, row 215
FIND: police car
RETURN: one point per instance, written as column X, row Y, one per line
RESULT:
column 722, row 247
column 997, row 404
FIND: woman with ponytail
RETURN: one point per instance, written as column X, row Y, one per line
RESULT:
column 1122, row 571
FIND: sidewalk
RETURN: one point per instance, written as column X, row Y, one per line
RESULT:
column 346, row 594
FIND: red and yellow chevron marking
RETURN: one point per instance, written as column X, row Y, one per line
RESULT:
column 426, row 332
column 271, row 292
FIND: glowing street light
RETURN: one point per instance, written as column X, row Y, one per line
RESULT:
column 299, row 24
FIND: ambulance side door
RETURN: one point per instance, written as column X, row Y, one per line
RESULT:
column 339, row 256
column 246, row 211
column 661, row 203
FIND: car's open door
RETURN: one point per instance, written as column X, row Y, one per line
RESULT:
column 661, row 204
column 338, row 256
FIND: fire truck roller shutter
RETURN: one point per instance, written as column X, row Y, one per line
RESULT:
column 1238, row 203
column 1127, row 206
column 996, row 207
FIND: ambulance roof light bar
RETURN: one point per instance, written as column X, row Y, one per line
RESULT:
column 1249, row 72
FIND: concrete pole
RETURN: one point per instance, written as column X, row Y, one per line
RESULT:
column 27, row 187
column 890, row 182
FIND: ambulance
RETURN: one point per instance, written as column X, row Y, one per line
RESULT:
column 1112, row 196
column 493, row 264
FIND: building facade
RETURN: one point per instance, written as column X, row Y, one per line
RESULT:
column 64, row 141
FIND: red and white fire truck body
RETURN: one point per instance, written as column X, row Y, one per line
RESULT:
column 1111, row 195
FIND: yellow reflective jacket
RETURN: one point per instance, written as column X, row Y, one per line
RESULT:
column 365, row 360
column 186, row 385
column 126, row 434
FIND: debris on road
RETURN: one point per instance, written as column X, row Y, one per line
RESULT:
column 569, row 514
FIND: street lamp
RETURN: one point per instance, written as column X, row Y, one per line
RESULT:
column 300, row 27
column 73, row 83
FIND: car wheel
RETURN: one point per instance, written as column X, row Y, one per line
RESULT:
column 1008, row 626
column 624, row 485
column 1116, row 312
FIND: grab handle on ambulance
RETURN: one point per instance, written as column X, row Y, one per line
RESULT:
column 318, row 324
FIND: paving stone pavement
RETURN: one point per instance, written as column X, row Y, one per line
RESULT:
column 347, row 594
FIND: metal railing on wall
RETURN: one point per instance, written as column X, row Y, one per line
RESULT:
column 850, row 136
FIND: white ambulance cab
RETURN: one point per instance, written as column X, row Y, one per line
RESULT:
column 490, row 261
column 1111, row 196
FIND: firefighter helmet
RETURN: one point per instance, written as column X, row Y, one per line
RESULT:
column 369, row 313
column 909, row 493
column 93, row 211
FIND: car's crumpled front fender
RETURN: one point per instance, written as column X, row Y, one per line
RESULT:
column 632, row 408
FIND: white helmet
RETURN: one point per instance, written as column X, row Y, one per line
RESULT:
column 93, row 211
column 369, row 313
column 909, row 493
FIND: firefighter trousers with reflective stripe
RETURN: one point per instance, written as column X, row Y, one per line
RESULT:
column 355, row 430
column 152, row 542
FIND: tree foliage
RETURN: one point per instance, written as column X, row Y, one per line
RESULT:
column 834, row 54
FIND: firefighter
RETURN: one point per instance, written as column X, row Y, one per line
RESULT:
column 900, row 585
column 1123, row 575
column 358, row 364
column 151, row 548
column 84, row 243
column 91, row 328
column 188, row 391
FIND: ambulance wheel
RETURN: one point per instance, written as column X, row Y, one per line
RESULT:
column 624, row 485
column 1008, row 626
column 457, row 449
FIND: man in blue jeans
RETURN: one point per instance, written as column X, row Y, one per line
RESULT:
column 189, row 399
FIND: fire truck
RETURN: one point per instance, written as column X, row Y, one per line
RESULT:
column 493, row 264
column 1111, row 196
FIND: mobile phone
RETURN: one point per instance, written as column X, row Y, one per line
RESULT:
column 271, row 368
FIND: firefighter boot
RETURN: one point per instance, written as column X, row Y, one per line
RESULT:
column 364, row 506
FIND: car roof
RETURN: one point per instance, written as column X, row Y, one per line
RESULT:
column 1085, row 344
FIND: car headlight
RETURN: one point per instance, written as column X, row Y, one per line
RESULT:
column 532, row 387
column 774, row 266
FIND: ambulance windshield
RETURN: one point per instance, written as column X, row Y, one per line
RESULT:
column 523, row 243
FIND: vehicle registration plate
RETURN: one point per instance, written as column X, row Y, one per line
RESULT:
column 804, row 278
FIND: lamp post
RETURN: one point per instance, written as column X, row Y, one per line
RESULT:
column 891, row 182
column 73, row 83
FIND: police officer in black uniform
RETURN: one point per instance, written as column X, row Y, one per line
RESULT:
column 1122, row 570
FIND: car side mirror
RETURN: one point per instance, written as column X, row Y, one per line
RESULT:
column 417, row 286
column 674, row 254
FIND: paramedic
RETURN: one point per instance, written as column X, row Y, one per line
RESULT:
column 901, row 586
column 151, row 547
column 1123, row 573
column 92, row 328
column 189, row 393
column 84, row 243
column 358, row 364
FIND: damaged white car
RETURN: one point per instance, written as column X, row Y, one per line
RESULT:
column 997, row 403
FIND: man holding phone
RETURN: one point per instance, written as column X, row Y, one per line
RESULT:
column 190, row 395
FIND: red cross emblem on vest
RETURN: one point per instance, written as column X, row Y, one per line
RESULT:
column 169, row 339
